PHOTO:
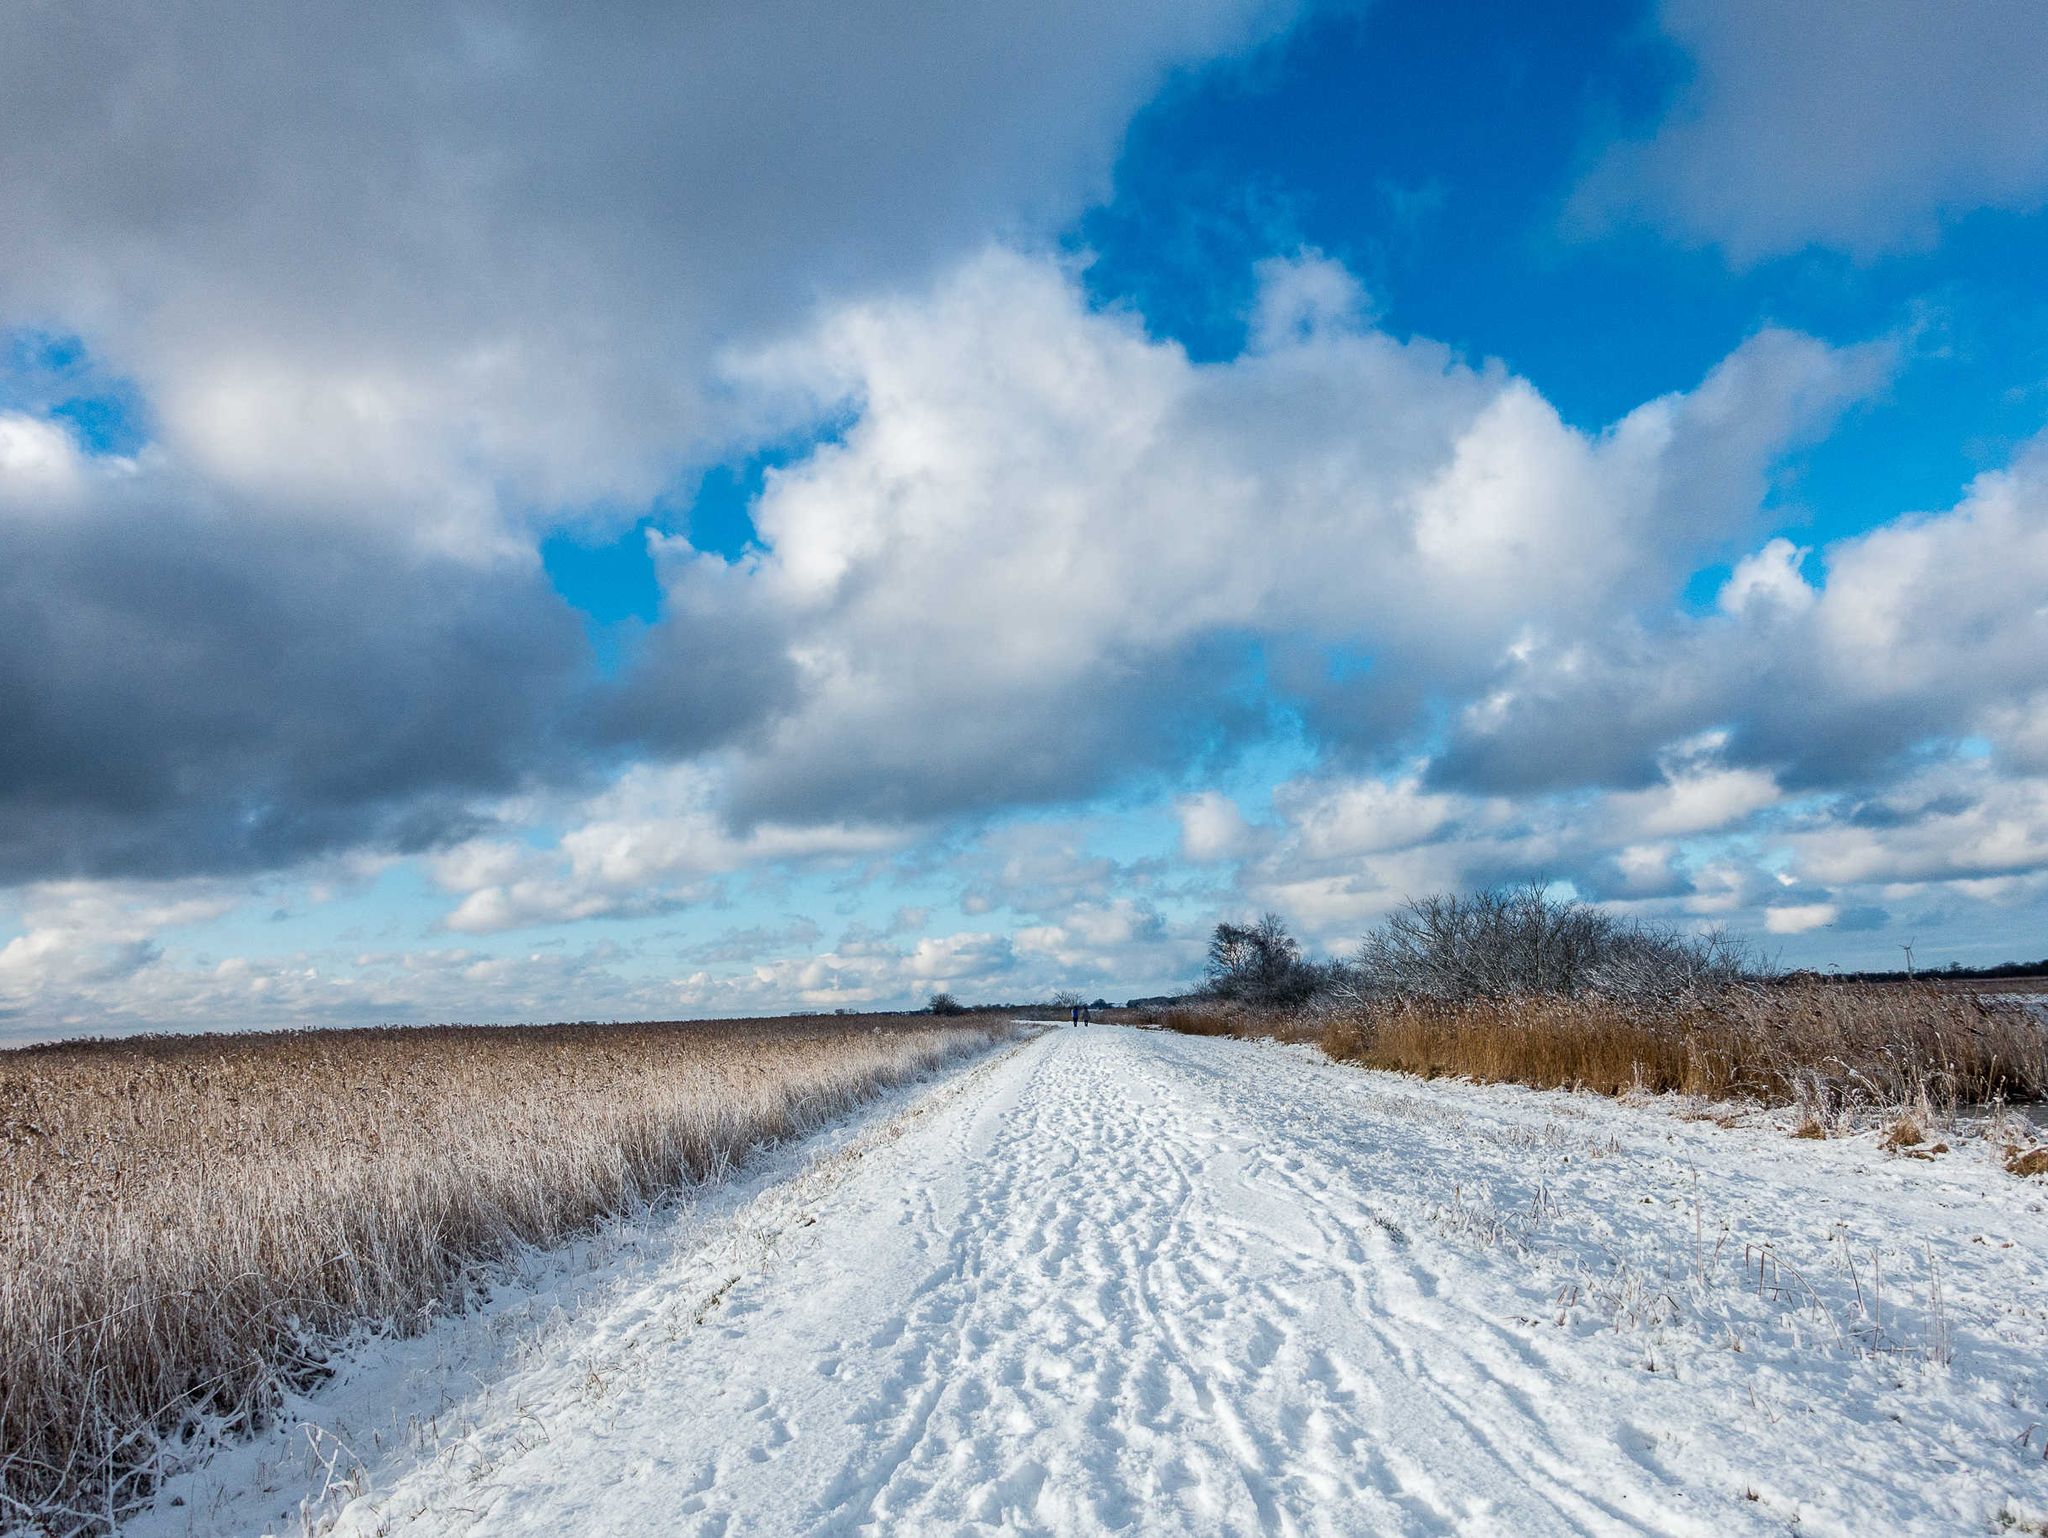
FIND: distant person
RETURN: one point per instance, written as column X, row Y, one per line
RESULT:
column 1087, row 1017
column 1077, row 1014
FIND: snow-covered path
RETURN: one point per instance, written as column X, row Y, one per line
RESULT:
column 1119, row 1281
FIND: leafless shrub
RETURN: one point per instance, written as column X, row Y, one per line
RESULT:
column 1521, row 941
column 188, row 1226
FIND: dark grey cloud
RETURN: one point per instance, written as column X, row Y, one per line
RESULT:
column 1605, row 719
column 1863, row 918
column 189, row 690
column 1896, row 813
column 944, row 746
column 713, row 668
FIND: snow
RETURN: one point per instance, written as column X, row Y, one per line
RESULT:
column 1121, row 1281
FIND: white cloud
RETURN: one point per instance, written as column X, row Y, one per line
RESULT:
column 1693, row 801
column 2020, row 729
column 954, row 960
column 654, row 839
column 1305, row 297
column 40, row 463
column 443, row 266
column 1036, row 504
column 1347, row 819
column 1927, row 627
column 1951, row 823
column 863, row 973
column 1352, row 848
column 78, row 935
column 1211, row 827
column 1861, row 126
column 1769, row 578
column 1798, row 918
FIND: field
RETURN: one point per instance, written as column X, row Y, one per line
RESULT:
column 188, row 1226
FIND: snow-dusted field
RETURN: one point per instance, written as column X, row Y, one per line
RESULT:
column 1121, row 1281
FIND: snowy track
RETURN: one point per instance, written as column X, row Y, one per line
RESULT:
column 1116, row 1281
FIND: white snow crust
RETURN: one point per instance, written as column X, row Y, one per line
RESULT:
column 1119, row 1281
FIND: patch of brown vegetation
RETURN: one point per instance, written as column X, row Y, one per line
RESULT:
column 1830, row 1049
column 1203, row 1020
column 1902, row 1133
column 1821, row 1045
column 2026, row 1161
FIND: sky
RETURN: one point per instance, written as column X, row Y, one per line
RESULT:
column 514, row 512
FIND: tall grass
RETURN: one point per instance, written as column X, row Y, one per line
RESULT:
column 1229, row 1017
column 188, row 1226
column 1831, row 1049
column 1828, row 1048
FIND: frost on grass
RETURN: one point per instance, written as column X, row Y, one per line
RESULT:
column 189, row 1226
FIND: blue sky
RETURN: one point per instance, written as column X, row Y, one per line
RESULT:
column 966, row 500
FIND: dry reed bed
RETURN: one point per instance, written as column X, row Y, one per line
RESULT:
column 187, row 1226
column 1831, row 1049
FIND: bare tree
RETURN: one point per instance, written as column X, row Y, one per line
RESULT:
column 1261, row 964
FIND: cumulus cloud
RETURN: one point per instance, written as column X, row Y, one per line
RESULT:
column 863, row 971
column 653, row 840
column 1769, row 579
column 191, row 687
column 390, row 286
column 77, row 933
column 1351, row 847
column 1855, row 126
column 1924, row 627
column 1937, row 849
column 439, row 264
column 1798, row 918
column 1697, row 794
column 1956, row 822
column 1211, row 827
column 1036, row 503
column 41, row 467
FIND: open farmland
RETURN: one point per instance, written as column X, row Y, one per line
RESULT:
column 189, row 1225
